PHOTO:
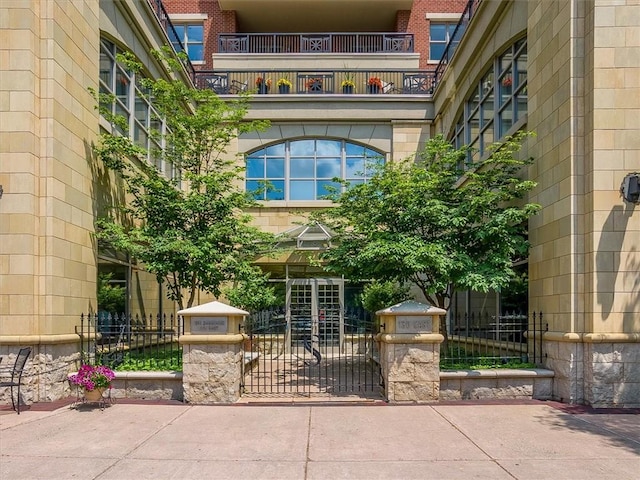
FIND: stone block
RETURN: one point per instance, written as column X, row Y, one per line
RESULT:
column 627, row 395
column 401, row 371
column 415, row 392
column 629, row 352
column 543, row 388
column 426, row 372
column 195, row 372
column 606, row 372
column 631, row 372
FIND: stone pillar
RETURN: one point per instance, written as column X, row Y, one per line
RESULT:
column 212, row 353
column 410, row 351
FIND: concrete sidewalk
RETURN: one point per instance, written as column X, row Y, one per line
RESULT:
column 526, row 440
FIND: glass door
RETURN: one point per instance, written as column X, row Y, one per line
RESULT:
column 315, row 314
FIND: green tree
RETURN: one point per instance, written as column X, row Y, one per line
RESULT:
column 430, row 222
column 191, row 231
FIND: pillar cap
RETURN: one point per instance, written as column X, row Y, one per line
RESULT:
column 212, row 308
column 411, row 307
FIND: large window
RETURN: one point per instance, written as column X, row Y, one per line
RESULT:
column 305, row 169
column 440, row 33
column 496, row 105
column 192, row 38
column 145, row 126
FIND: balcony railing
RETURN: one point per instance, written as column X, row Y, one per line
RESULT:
column 315, row 43
column 450, row 49
column 174, row 38
column 318, row 82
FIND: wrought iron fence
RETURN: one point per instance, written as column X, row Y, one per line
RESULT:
column 484, row 338
column 148, row 342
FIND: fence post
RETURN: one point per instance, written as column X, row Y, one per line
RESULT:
column 212, row 354
column 410, row 351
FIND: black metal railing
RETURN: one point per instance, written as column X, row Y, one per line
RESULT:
column 485, row 338
column 333, row 82
column 461, row 27
column 174, row 38
column 148, row 341
column 333, row 42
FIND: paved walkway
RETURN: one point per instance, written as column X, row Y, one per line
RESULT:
column 525, row 440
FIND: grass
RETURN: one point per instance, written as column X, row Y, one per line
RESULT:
column 458, row 358
column 151, row 362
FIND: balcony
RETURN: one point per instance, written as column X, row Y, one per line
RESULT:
column 316, row 43
column 317, row 82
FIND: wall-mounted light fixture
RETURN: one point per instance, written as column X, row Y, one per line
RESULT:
column 1, row 191
column 630, row 188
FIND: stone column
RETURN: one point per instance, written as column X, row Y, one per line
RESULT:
column 410, row 351
column 212, row 353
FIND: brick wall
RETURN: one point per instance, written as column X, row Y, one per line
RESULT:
column 217, row 22
column 419, row 25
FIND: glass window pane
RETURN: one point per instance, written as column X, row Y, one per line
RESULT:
column 302, row 168
column 302, row 147
column 195, row 33
column 275, row 150
column 327, row 188
column 141, row 110
column 328, row 167
column 355, row 167
column 275, row 190
column 255, row 167
column 436, row 50
column 506, row 119
column 179, row 31
column 106, row 72
column 328, row 148
column 196, row 52
column 302, row 190
column 257, row 188
column 438, row 32
column 353, row 149
column 275, row 167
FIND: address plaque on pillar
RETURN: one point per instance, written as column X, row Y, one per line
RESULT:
column 208, row 325
column 412, row 324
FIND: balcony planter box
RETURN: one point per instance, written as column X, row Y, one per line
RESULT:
column 373, row 89
column 263, row 88
column 347, row 89
column 284, row 89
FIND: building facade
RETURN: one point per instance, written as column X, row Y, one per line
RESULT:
column 566, row 70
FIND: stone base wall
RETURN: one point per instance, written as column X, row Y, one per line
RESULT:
column 148, row 385
column 45, row 375
column 411, row 371
column 505, row 383
column 612, row 374
column 566, row 361
column 212, row 372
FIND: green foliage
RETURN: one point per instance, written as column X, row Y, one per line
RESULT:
column 380, row 294
column 111, row 298
column 483, row 363
column 191, row 232
column 430, row 222
column 151, row 362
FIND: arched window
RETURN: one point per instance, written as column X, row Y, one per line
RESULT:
column 305, row 169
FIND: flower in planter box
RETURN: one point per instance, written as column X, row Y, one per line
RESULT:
column 260, row 81
column 375, row 82
column 284, row 82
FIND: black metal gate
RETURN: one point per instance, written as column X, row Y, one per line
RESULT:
column 320, row 352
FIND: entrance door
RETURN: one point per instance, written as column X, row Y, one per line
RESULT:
column 315, row 315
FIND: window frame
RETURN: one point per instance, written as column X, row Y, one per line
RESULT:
column 259, row 159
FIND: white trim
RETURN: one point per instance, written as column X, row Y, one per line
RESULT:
column 443, row 17
column 186, row 17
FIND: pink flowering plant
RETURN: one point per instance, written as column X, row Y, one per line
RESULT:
column 91, row 377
